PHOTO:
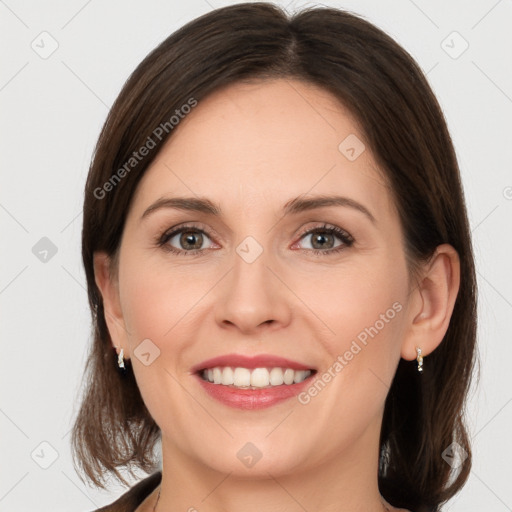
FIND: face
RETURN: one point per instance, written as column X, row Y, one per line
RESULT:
column 271, row 274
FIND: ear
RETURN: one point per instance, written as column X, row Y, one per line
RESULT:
column 431, row 303
column 108, row 285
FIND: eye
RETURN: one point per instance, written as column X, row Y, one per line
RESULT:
column 323, row 239
column 184, row 240
column 190, row 240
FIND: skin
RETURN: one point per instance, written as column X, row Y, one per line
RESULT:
column 250, row 148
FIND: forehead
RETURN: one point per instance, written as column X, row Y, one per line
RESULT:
column 262, row 140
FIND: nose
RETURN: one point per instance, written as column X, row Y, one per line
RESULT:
column 252, row 297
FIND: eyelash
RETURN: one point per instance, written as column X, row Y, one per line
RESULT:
column 345, row 237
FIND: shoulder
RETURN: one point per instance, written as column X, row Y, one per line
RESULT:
column 131, row 499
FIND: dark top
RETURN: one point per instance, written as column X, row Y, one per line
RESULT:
column 131, row 499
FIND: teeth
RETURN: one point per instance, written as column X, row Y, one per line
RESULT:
column 256, row 378
column 299, row 376
column 242, row 377
column 228, row 376
column 217, row 376
column 260, row 378
column 289, row 376
column 276, row 377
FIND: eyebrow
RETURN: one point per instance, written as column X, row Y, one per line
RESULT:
column 294, row 206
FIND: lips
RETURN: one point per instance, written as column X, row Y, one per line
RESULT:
column 250, row 362
column 254, row 398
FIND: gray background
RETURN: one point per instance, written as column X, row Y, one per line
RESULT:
column 53, row 107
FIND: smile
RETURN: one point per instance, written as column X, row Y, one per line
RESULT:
column 256, row 378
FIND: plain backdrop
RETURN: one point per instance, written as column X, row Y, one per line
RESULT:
column 62, row 66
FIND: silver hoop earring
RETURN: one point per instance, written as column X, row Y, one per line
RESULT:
column 419, row 358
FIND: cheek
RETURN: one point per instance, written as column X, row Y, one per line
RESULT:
column 156, row 299
column 361, row 312
column 354, row 299
column 367, row 319
column 366, row 312
column 158, row 305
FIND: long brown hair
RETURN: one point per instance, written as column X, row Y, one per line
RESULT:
column 387, row 93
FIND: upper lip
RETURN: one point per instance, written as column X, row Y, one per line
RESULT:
column 250, row 362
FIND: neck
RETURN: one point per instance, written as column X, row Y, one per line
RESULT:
column 343, row 482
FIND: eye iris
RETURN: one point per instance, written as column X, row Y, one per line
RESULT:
column 322, row 238
column 187, row 238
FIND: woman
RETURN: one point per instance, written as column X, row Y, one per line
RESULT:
column 280, row 269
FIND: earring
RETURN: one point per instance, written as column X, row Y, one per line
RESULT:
column 419, row 358
column 120, row 360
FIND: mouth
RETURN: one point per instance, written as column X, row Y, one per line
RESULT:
column 252, row 382
column 253, row 372
column 254, row 378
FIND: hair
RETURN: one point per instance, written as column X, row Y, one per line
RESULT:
column 387, row 93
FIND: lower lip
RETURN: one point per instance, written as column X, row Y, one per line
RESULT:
column 253, row 398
